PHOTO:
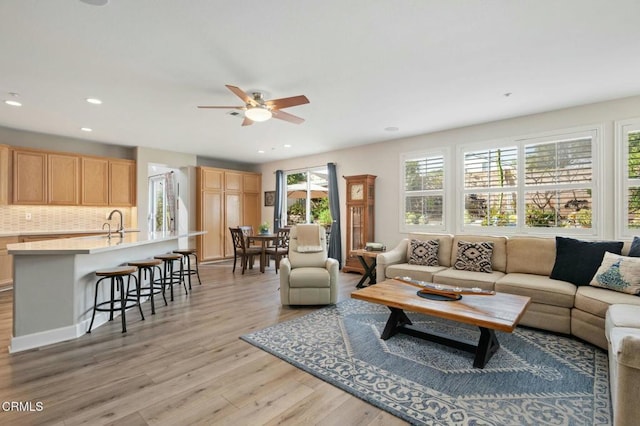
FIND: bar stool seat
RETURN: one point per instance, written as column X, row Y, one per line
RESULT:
column 169, row 276
column 148, row 266
column 188, row 271
column 123, row 301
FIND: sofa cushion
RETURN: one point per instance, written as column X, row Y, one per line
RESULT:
column 621, row 315
column 423, row 252
column 474, row 256
column 468, row 279
column 577, row 261
column 498, row 255
column 531, row 255
column 309, row 278
column 445, row 244
column 539, row 288
column 618, row 273
column 417, row 272
column 597, row 300
column 634, row 250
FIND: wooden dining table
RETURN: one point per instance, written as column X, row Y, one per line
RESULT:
column 264, row 240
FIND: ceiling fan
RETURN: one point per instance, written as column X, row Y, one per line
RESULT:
column 256, row 108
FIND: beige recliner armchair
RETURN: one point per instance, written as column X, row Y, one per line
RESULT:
column 308, row 276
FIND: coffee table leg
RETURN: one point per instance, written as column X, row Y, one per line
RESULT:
column 487, row 346
column 397, row 319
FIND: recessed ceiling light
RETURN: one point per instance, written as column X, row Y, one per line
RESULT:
column 261, row 151
column 391, row 129
column 86, row 129
column 94, row 101
column 95, row 2
column 287, row 145
column 13, row 103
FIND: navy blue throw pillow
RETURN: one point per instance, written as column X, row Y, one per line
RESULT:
column 634, row 251
column 577, row 261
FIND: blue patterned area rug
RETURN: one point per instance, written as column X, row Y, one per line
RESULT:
column 535, row 378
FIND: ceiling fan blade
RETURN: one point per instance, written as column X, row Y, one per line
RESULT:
column 281, row 115
column 224, row 107
column 287, row 102
column 240, row 93
column 247, row 122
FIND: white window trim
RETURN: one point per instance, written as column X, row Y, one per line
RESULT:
column 621, row 180
column 445, row 153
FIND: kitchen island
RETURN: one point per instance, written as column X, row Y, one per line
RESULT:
column 54, row 281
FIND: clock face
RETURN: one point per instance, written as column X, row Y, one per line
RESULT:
column 357, row 191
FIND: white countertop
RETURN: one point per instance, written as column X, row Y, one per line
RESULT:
column 56, row 232
column 94, row 244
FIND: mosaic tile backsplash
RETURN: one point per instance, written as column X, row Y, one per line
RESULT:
column 60, row 218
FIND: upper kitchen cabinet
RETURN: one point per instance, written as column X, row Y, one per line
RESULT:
column 233, row 181
column 108, row 182
column 63, row 173
column 95, row 182
column 32, row 176
column 4, row 175
column 211, row 179
column 122, row 183
column 29, row 177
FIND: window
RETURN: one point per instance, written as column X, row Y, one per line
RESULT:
column 490, row 195
column 308, row 197
column 532, row 185
column 423, row 191
column 628, row 148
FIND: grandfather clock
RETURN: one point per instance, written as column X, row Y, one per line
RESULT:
column 360, row 217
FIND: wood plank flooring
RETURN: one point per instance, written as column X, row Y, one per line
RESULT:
column 184, row 365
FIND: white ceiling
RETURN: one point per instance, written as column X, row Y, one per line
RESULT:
column 365, row 65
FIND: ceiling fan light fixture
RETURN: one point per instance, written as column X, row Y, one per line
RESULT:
column 258, row 114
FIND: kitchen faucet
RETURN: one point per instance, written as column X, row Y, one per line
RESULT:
column 121, row 226
column 109, row 226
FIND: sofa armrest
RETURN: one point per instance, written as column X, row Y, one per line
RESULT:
column 397, row 255
column 333, row 267
column 285, row 271
column 625, row 344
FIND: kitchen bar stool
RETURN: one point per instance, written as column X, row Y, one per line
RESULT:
column 121, row 302
column 188, row 271
column 148, row 266
column 169, row 276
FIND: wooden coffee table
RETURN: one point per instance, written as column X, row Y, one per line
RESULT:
column 501, row 312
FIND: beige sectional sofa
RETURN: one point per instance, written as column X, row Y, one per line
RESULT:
column 520, row 265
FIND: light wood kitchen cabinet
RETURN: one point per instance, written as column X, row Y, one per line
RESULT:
column 95, row 181
column 29, row 177
column 4, row 174
column 122, row 183
column 233, row 181
column 212, row 179
column 63, row 174
column 6, row 261
column 211, row 245
column 223, row 202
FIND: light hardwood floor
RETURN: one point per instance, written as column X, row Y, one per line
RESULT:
column 184, row 365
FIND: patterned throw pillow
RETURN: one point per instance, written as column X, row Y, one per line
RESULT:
column 423, row 252
column 619, row 273
column 474, row 256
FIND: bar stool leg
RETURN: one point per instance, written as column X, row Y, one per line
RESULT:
column 123, row 303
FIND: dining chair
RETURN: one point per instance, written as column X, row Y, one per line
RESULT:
column 280, row 248
column 247, row 231
column 242, row 250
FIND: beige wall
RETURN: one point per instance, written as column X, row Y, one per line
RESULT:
column 383, row 159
